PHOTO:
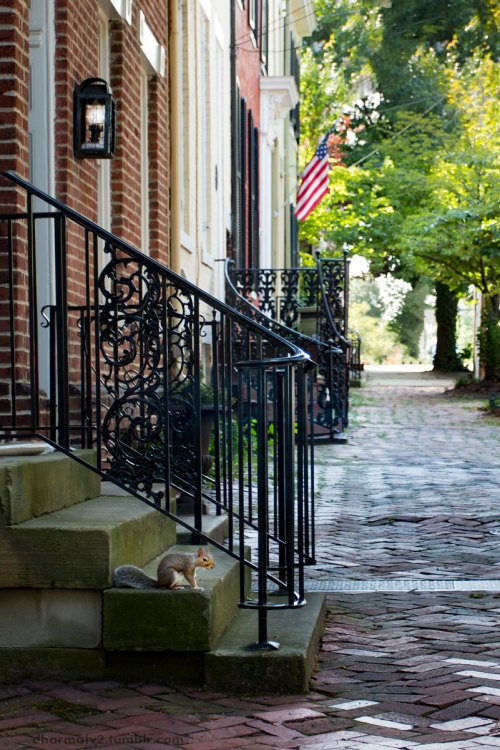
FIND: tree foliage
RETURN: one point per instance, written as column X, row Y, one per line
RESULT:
column 415, row 177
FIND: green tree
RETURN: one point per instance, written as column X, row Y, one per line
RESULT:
column 415, row 186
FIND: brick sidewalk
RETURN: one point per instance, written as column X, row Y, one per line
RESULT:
column 414, row 495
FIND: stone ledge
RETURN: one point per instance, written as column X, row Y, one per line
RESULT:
column 232, row 668
column 175, row 620
column 47, row 618
column 80, row 546
column 36, row 485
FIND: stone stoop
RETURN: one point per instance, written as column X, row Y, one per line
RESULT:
column 174, row 620
column 214, row 526
column 60, row 541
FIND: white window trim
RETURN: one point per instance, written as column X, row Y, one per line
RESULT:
column 187, row 242
column 122, row 8
column 208, row 259
column 152, row 50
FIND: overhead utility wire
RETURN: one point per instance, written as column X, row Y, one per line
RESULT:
column 253, row 49
column 407, row 127
column 279, row 25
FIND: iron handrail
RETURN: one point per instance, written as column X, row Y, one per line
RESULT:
column 131, row 351
column 289, row 334
column 159, row 267
column 330, row 346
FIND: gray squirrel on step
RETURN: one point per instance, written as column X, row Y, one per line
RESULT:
column 172, row 569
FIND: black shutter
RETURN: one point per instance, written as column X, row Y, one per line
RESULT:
column 295, row 72
column 242, row 179
column 294, row 237
column 254, row 157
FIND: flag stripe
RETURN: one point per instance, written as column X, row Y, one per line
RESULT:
column 313, row 201
column 309, row 182
column 308, row 198
column 314, row 184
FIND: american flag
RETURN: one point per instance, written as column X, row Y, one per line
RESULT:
column 314, row 183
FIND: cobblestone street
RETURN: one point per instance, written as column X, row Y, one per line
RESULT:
column 411, row 503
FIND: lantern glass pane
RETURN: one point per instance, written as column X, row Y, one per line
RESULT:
column 95, row 116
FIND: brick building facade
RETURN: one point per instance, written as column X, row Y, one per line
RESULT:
column 47, row 50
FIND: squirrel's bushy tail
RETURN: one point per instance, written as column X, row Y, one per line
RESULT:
column 131, row 577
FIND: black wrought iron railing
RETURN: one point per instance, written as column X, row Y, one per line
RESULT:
column 307, row 306
column 356, row 365
column 116, row 352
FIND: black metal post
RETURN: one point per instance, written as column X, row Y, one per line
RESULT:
column 33, row 316
column 62, row 333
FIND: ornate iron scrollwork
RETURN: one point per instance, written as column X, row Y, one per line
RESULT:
column 274, row 297
column 146, row 342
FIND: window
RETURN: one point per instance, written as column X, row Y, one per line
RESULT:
column 205, row 171
column 104, row 165
column 253, row 194
column 252, row 19
column 264, row 33
column 241, row 181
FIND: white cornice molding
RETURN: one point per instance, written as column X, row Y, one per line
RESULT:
column 302, row 17
column 278, row 95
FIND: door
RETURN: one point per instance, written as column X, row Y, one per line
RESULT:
column 41, row 153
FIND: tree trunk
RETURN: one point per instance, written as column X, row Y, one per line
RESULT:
column 446, row 358
column 489, row 339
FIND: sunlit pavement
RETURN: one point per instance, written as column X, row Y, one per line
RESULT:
column 408, row 526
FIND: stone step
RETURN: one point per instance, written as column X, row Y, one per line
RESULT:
column 232, row 667
column 79, row 547
column 31, row 486
column 175, row 637
column 180, row 620
column 215, row 527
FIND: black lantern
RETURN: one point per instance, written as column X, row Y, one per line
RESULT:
column 94, row 120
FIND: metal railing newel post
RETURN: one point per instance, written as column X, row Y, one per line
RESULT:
column 61, row 284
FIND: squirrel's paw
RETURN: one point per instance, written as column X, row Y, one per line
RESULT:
column 199, row 588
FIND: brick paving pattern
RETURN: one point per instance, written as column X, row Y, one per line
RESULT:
column 415, row 494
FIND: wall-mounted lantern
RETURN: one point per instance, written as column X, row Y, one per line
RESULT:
column 94, row 120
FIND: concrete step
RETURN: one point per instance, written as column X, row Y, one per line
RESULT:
column 183, row 635
column 231, row 667
column 215, row 527
column 33, row 485
column 79, row 547
column 173, row 620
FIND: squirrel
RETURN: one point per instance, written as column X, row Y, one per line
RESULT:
column 171, row 570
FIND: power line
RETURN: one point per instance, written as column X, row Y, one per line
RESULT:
column 400, row 132
column 279, row 24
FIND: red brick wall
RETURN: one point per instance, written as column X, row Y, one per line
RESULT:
column 76, row 58
column 14, row 69
column 248, row 63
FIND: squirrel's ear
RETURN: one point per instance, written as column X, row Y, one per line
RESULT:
column 207, row 551
column 200, row 552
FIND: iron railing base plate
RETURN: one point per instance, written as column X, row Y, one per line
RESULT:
column 265, row 646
